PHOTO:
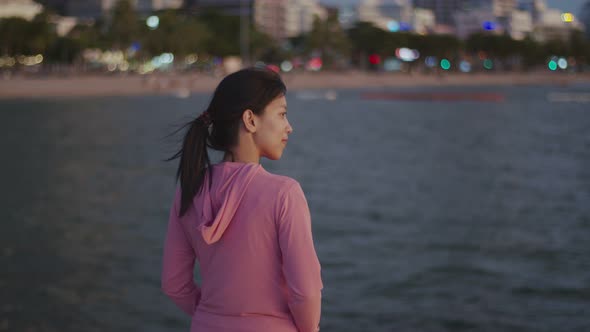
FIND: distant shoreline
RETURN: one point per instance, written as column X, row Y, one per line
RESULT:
column 183, row 85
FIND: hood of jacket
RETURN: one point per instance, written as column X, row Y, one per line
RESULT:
column 217, row 204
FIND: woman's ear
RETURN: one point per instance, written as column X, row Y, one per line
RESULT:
column 250, row 121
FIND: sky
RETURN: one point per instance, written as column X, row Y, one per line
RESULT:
column 565, row 5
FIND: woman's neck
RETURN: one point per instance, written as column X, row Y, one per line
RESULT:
column 236, row 158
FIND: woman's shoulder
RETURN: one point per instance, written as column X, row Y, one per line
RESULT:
column 281, row 183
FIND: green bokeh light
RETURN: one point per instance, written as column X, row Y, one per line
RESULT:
column 552, row 65
column 445, row 64
column 488, row 64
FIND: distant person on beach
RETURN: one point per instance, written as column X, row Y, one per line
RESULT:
column 250, row 230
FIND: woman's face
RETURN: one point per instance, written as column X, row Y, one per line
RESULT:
column 271, row 137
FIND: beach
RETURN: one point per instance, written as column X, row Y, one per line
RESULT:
column 183, row 85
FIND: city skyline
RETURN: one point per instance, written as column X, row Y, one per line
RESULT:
column 573, row 6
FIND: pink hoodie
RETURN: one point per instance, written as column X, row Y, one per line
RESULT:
column 251, row 233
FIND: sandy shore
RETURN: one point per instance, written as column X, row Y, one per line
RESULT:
column 183, row 85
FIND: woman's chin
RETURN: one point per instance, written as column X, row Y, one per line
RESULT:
column 274, row 156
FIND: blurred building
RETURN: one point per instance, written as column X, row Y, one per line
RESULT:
column 444, row 10
column 282, row 19
column 391, row 15
column 347, row 16
column 270, row 16
column 423, row 20
column 279, row 19
column 26, row 9
column 63, row 25
column 550, row 23
column 396, row 15
column 499, row 8
column 166, row 4
column 585, row 18
column 99, row 8
column 535, row 7
column 299, row 16
column 474, row 21
column 519, row 24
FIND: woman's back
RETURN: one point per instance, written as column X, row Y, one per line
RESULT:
column 251, row 233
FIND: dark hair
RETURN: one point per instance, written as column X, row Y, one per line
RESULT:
column 250, row 88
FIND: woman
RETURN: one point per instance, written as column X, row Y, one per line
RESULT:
column 249, row 229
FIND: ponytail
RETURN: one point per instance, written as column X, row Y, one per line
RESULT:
column 194, row 160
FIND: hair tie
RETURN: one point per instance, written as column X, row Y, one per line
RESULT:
column 205, row 117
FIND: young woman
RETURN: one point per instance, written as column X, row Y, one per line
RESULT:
column 250, row 230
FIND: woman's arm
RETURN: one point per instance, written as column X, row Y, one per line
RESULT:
column 301, row 267
column 178, row 266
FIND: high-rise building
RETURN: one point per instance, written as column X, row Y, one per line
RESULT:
column 548, row 22
column 423, row 20
column 585, row 18
column 535, row 7
column 347, row 16
column 390, row 15
column 519, row 24
column 499, row 8
column 26, row 9
column 270, row 16
column 277, row 18
column 468, row 22
column 504, row 8
column 400, row 10
column 444, row 10
column 299, row 16
column 287, row 18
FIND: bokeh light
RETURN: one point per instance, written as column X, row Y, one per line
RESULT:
column 489, row 26
column 406, row 54
column 567, row 17
column 445, row 64
column 315, row 64
column 430, row 61
column 286, row 66
column 274, row 68
column 392, row 64
column 552, row 65
column 465, row 66
column 374, row 59
column 393, row 26
column 153, row 22
column 488, row 64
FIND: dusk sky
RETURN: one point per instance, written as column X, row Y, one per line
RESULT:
column 565, row 5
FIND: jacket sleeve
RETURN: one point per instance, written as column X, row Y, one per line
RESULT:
column 301, row 267
column 178, row 264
